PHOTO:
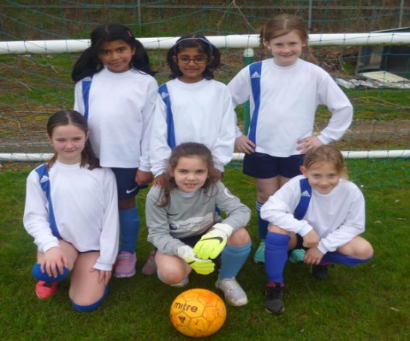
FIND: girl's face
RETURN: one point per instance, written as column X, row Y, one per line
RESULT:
column 192, row 63
column 286, row 49
column 322, row 176
column 190, row 174
column 68, row 142
column 116, row 55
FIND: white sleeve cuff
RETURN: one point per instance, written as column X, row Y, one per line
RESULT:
column 219, row 166
column 102, row 266
column 322, row 248
column 225, row 228
column 47, row 246
column 159, row 172
column 305, row 230
column 324, row 140
column 144, row 168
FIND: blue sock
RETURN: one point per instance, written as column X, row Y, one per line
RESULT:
column 276, row 255
column 262, row 224
column 90, row 307
column 232, row 260
column 339, row 258
column 43, row 276
column 129, row 229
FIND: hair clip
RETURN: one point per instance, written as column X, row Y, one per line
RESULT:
column 129, row 33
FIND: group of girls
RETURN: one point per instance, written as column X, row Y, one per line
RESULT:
column 80, row 206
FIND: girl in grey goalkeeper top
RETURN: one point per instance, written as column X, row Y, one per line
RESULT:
column 185, row 227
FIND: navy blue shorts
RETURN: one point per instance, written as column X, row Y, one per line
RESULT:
column 299, row 243
column 126, row 185
column 264, row 166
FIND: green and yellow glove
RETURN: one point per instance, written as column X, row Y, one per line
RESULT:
column 200, row 266
column 212, row 243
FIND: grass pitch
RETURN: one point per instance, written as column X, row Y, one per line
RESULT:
column 368, row 302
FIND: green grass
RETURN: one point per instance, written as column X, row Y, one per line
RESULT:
column 369, row 302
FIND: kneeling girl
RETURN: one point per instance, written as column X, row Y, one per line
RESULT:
column 72, row 212
column 188, row 232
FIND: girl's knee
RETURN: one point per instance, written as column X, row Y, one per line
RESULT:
column 87, row 303
column 366, row 250
column 277, row 229
column 171, row 269
column 171, row 277
column 126, row 204
column 358, row 248
column 239, row 237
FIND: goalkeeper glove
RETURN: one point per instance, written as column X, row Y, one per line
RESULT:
column 212, row 243
column 203, row 267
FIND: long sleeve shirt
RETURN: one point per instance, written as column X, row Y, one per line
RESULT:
column 337, row 217
column 189, row 216
column 121, row 112
column 289, row 98
column 203, row 113
column 85, row 208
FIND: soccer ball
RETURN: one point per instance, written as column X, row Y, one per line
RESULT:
column 198, row 313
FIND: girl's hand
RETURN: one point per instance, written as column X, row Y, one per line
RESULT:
column 54, row 262
column 313, row 256
column 218, row 174
column 103, row 276
column 143, row 178
column 244, row 145
column 311, row 239
column 159, row 181
column 308, row 143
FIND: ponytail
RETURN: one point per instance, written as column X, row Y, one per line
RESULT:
column 87, row 65
column 140, row 60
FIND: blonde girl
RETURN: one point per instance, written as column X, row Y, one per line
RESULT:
column 284, row 92
column 333, row 218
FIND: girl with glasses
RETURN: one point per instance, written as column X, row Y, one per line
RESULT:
column 194, row 108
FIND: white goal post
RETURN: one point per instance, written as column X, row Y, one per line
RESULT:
column 230, row 41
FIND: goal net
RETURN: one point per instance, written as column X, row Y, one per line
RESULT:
column 364, row 45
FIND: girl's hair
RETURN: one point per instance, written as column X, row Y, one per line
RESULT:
column 88, row 64
column 72, row 117
column 203, row 45
column 327, row 154
column 284, row 24
column 189, row 150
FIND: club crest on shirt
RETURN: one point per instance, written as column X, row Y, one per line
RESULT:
column 192, row 224
column 228, row 193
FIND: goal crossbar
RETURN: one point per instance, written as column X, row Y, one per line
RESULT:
column 229, row 41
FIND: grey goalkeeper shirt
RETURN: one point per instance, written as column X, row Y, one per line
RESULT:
column 189, row 216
